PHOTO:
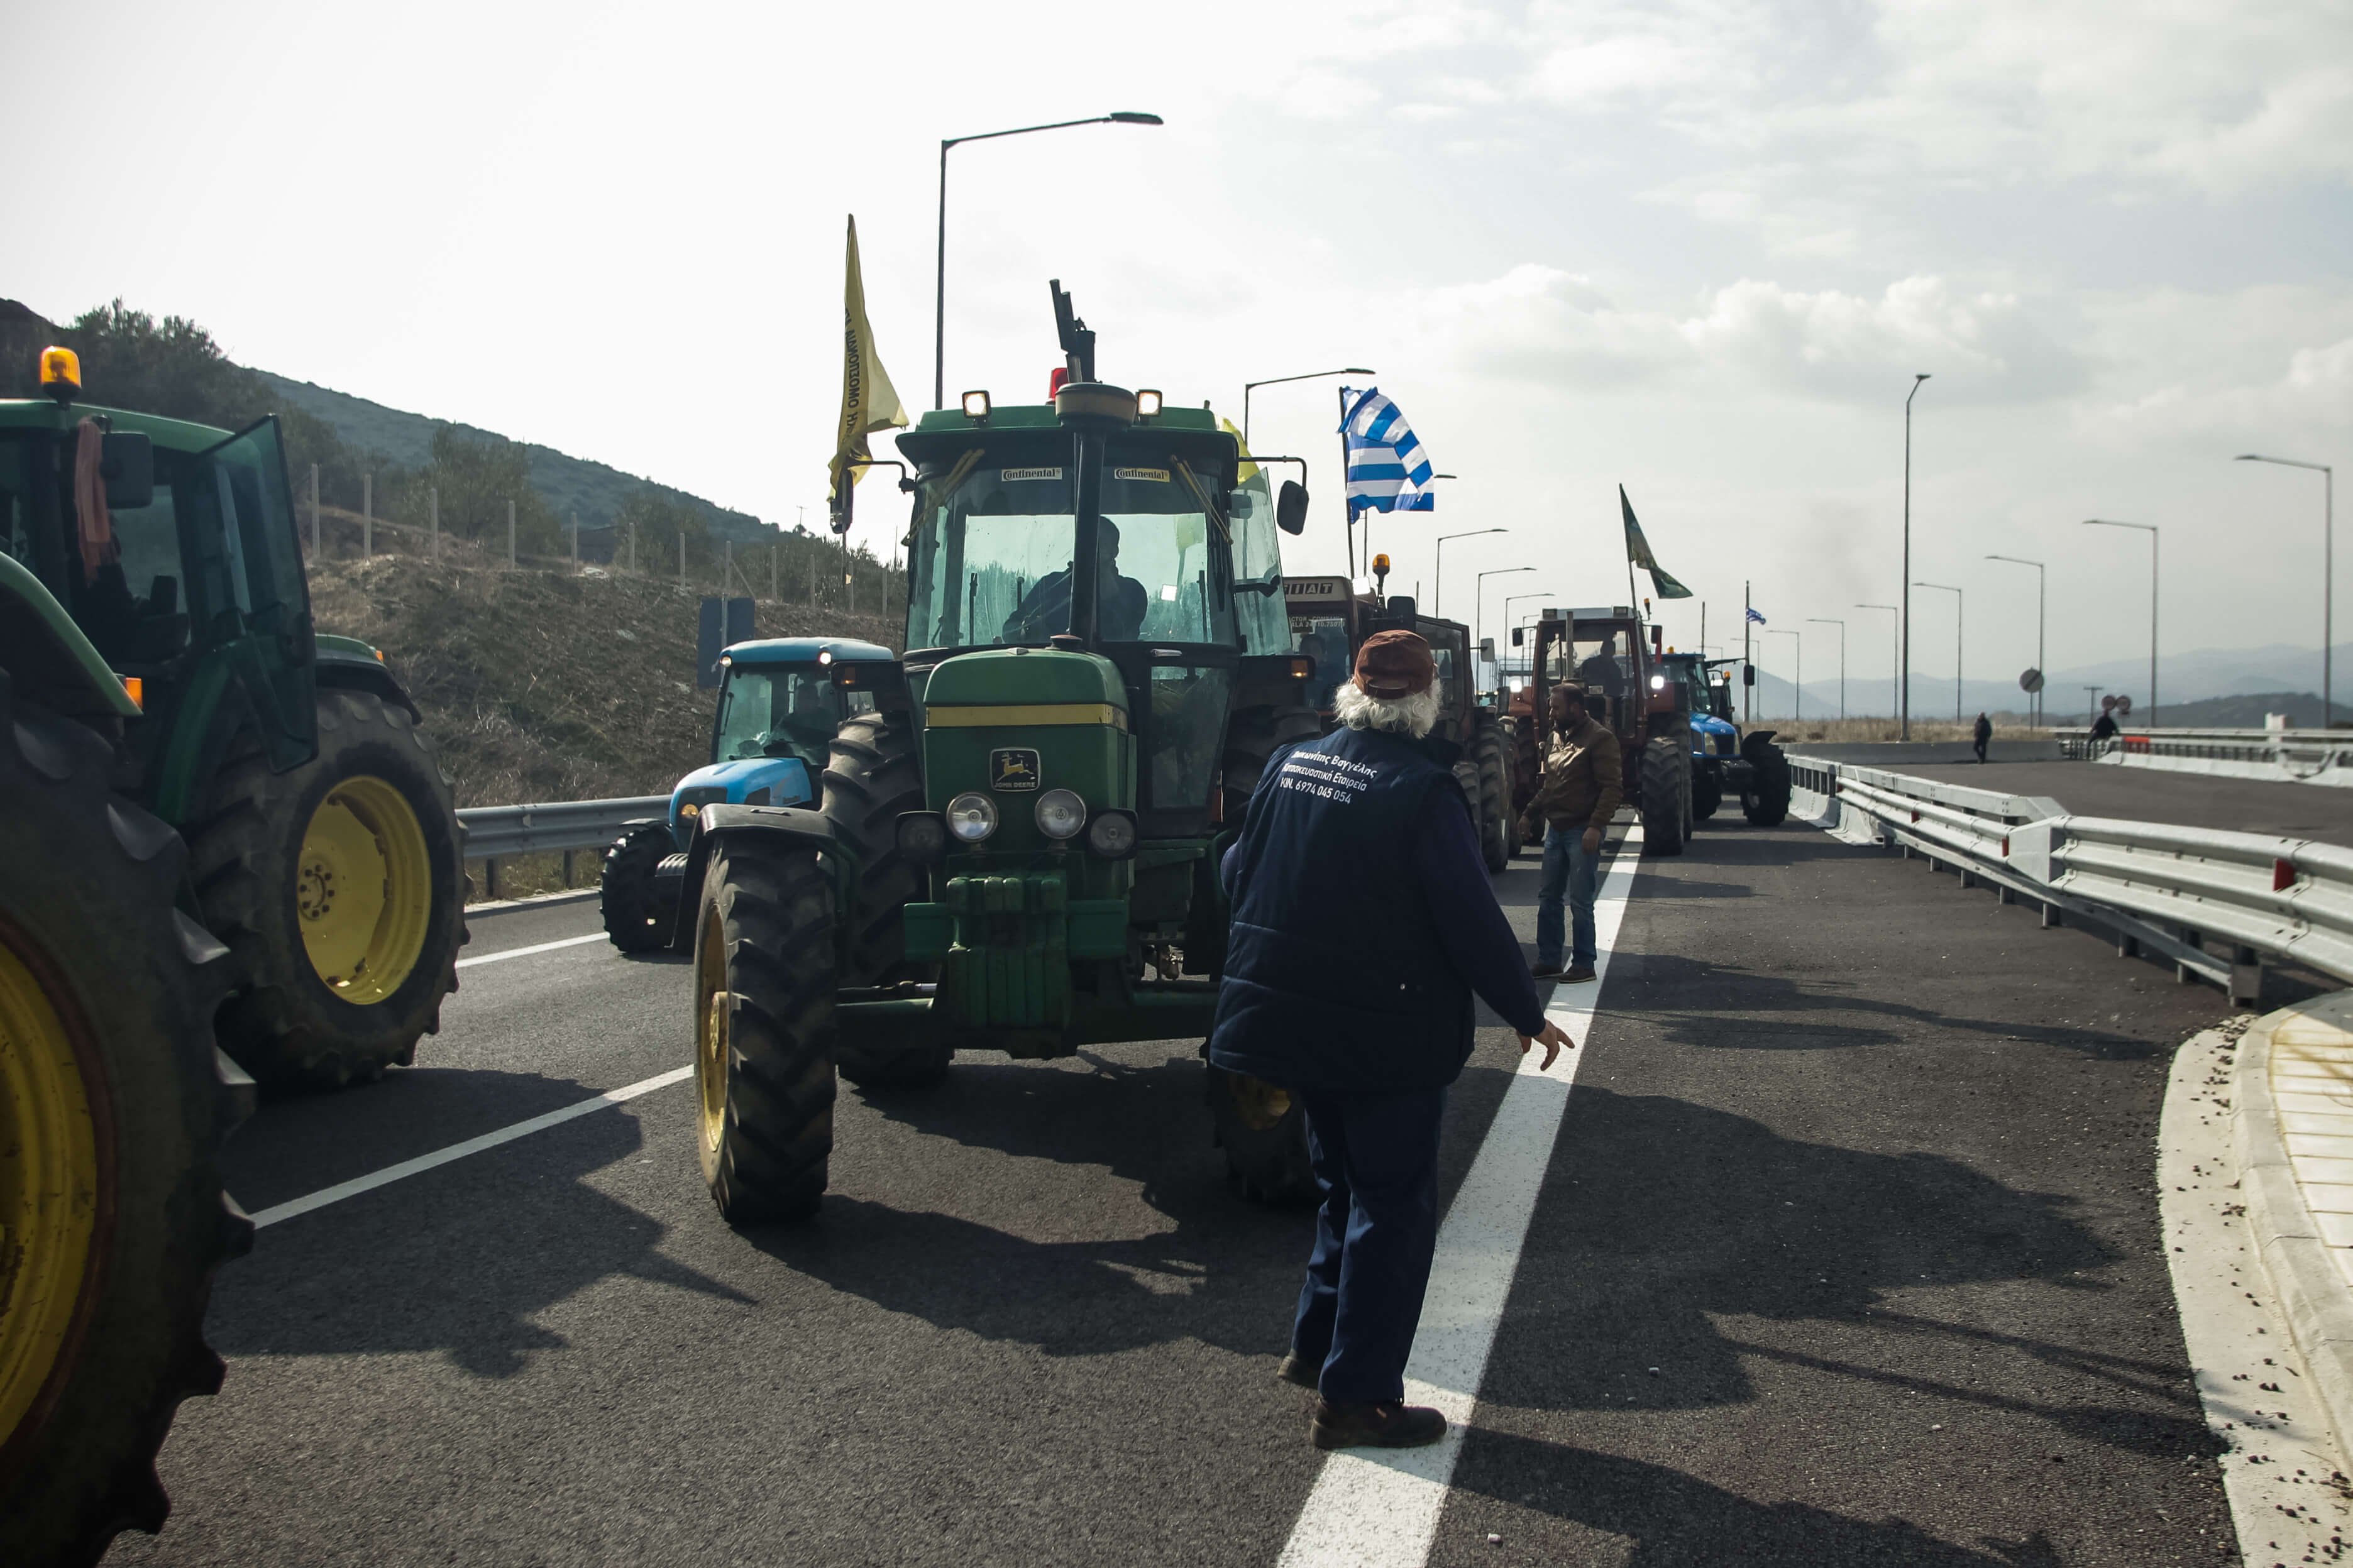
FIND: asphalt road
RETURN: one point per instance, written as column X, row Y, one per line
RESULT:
column 1858, row 1162
column 2157, row 794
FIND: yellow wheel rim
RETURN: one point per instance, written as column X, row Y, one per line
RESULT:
column 1259, row 1104
column 49, row 1189
column 710, row 1035
column 363, row 889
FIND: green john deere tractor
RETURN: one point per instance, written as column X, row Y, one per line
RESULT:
column 322, row 843
column 113, row 1103
column 1018, row 850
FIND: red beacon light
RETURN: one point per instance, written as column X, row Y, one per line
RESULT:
column 1054, row 384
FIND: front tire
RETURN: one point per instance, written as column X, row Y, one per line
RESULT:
column 340, row 890
column 117, row 1101
column 871, row 778
column 764, row 1035
column 1707, row 792
column 1767, row 803
column 635, row 917
column 1263, row 1131
column 1666, row 796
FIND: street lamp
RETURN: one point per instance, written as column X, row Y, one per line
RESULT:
column 1894, row 673
column 1479, row 594
column 1903, row 617
column 940, row 276
column 1438, row 574
column 1955, row 593
column 2328, row 570
column 1250, row 387
column 1798, row 688
column 2149, row 529
column 2040, row 578
column 1825, row 621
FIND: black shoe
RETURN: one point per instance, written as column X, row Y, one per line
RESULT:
column 1542, row 970
column 1297, row 1369
column 1387, row 1425
column 1577, row 976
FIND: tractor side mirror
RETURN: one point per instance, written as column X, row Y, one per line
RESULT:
column 1291, row 507
column 127, row 461
column 1519, row 636
column 1401, row 609
column 1747, row 675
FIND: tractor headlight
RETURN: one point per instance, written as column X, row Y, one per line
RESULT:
column 972, row 817
column 923, row 836
column 1112, row 835
column 1658, row 683
column 1061, row 813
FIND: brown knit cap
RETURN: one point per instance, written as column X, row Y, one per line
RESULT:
column 1394, row 664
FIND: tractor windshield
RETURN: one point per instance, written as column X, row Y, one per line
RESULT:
column 993, row 550
column 1258, row 565
column 777, row 710
column 1324, row 638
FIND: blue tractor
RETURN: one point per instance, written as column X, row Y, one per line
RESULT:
column 1723, row 760
column 785, row 705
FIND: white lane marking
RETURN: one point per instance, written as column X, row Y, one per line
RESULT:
column 527, row 951
column 2255, row 1388
column 407, row 1168
column 1378, row 1509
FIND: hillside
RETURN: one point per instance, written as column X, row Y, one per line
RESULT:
column 541, row 685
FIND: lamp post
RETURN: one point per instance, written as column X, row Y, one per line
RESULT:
column 1797, row 688
column 2149, row 529
column 1955, row 593
column 1825, row 621
column 1895, row 672
column 1438, row 574
column 940, row 276
column 1904, row 617
column 1479, row 594
column 1250, row 387
column 2041, row 578
column 2327, row 572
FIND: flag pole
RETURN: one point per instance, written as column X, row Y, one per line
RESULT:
column 1746, row 668
column 1347, row 510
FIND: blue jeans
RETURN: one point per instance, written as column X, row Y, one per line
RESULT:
column 1567, row 870
column 1376, row 1157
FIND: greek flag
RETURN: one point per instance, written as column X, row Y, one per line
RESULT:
column 1388, row 470
column 1755, row 615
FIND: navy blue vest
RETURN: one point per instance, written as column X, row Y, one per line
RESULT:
column 1334, row 976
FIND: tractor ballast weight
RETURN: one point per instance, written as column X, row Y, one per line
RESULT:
column 1610, row 652
column 323, row 845
column 1098, row 667
column 1725, row 761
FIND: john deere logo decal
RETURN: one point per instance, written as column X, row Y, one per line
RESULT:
column 1015, row 767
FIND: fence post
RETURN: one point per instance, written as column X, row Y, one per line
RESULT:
column 575, row 571
column 314, row 511
column 726, row 567
column 682, row 558
column 511, row 555
column 633, row 544
column 367, row 514
column 775, row 558
column 432, row 510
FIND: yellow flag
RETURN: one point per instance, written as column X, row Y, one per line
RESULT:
column 869, row 401
column 1248, row 470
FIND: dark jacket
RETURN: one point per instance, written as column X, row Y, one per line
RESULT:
column 1584, row 779
column 1339, row 967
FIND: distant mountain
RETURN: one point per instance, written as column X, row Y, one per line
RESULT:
column 568, row 484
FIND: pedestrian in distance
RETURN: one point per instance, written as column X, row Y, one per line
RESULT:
column 2104, row 728
column 1981, row 735
column 1363, row 925
column 1582, row 785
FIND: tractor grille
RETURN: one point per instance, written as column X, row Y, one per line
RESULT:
column 1726, row 745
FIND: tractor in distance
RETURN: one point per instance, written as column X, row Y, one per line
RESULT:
column 322, row 846
column 1098, row 668
column 782, row 702
column 1329, row 623
column 116, row 1098
column 1620, row 662
column 1723, row 760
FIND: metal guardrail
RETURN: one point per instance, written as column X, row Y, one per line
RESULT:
column 2294, row 753
column 2167, row 889
column 495, row 831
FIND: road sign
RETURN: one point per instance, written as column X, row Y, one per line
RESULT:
column 2032, row 680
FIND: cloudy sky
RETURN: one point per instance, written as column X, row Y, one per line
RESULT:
column 1697, row 249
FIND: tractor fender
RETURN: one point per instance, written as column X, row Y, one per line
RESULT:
column 347, row 664
column 1757, row 743
column 785, row 821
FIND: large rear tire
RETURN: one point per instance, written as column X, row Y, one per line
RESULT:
column 115, row 1104
column 871, row 779
column 1666, row 796
column 763, row 1020
column 1767, row 802
column 1490, row 750
column 340, row 890
column 1707, row 791
column 1263, row 1131
column 636, row 919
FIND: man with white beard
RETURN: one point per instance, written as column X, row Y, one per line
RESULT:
column 1363, row 923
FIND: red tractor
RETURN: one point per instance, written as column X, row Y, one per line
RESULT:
column 1629, row 690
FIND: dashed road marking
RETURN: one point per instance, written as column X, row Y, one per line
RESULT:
column 1378, row 1509
column 527, row 951
column 525, row 1129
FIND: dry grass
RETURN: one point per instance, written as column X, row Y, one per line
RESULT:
column 1847, row 730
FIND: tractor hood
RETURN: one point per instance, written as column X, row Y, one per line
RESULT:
column 1709, row 725
column 753, row 781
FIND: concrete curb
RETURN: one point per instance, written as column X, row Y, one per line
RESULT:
column 2313, row 1294
column 501, row 906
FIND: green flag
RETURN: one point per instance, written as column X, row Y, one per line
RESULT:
column 1638, row 551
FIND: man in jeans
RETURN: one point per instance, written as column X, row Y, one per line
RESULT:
column 1583, row 786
